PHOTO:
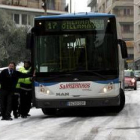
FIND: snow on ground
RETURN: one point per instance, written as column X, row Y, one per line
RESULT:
column 122, row 126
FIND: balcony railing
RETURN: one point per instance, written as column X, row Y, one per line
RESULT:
column 122, row 0
column 91, row 2
column 58, row 6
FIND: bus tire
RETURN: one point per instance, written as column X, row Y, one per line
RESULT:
column 122, row 102
column 49, row 111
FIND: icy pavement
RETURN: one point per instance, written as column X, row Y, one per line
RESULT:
column 122, row 126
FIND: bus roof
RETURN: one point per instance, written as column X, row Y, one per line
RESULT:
column 75, row 15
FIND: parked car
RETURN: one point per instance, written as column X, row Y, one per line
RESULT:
column 130, row 79
column 137, row 74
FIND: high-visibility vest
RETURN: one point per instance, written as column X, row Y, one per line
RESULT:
column 23, row 80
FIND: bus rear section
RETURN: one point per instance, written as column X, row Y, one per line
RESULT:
column 77, row 57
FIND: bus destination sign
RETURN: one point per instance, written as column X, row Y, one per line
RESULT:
column 74, row 25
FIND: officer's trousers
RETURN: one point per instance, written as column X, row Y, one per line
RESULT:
column 25, row 102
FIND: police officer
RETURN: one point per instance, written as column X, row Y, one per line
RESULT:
column 25, row 90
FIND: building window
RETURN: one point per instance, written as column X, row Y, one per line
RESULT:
column 51, row 4
column 24, row 19
column 128, row 12
column 127, row 28
column 139, row 10
column 31, row 20
column 16, row 18
column 108, row 3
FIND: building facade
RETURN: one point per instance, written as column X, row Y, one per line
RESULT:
column 137, row 33
column 93, row 4
column 124, row 11
column 24, row 11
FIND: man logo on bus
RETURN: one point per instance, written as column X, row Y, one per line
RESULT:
column 62, row 94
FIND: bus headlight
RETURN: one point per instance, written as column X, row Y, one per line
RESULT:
column 48, row 91
column 43, row 89
column 105, row 90
column 108, row 88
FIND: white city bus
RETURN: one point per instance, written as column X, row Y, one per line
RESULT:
column 78, row 60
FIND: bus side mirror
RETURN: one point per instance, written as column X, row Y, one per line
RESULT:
column 29, row 40
column 123, row 48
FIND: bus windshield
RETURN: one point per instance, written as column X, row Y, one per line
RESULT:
column 90, row 49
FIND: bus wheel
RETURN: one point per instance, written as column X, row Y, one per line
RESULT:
column 49, row 111
column 122, row 102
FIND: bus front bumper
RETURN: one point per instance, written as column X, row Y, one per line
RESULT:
column 72, row 103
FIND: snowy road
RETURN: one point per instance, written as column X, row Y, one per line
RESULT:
column 100, row 126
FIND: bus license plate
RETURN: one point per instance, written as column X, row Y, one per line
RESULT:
column 77, row 103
